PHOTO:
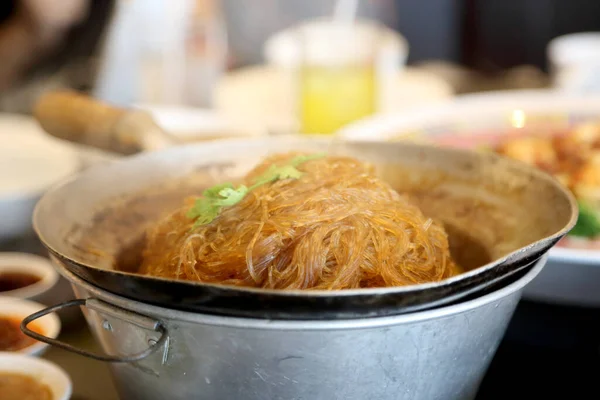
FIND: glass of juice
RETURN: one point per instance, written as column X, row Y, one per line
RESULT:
column 337, row 81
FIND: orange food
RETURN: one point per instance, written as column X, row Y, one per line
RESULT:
column 330, row 224
column 11, row 337
column 16, row 280
column 22, row 387
column 573, row 157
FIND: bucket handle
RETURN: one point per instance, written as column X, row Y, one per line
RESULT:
column 97, row 305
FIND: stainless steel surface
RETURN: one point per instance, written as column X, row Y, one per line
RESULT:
column 105, row 309
column 133, row 318
column 439, row 354
column 501, row 198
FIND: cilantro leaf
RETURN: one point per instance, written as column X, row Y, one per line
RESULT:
column 230, row 196
column 209, row 206
column 204, row 211
column 288, row 172
column 214, row 191
column 588, row 222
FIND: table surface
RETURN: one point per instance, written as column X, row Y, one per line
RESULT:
column 91, row 378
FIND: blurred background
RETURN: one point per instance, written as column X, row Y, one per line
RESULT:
column 208, row 69
column 118, row 47
column 220, row 54
column 129, row 51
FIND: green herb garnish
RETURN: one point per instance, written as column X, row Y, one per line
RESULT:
column 209, row 206
column 213, row 199
column 588, row 222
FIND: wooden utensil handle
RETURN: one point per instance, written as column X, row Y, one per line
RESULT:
column 81, row 119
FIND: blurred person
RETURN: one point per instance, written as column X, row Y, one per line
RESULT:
column 48, row 44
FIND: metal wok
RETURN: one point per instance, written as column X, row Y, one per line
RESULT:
column 501, row 216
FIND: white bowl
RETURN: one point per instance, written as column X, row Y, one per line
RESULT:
column 30, row 163
column 41, row 370
column 16, row 308
column 30, row 264
column 574, row 61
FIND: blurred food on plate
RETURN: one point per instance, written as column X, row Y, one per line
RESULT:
column 573, row 157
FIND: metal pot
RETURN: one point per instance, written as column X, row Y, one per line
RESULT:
column 505, row 209
column 438, row 354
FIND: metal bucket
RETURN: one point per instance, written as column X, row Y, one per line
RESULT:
column 437, row 354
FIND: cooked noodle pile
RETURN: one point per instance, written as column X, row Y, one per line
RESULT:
column 337, row 226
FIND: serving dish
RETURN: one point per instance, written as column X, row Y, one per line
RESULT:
column 30, row 163
column 40, row 370
column 14, row 310
column 482, row 119
column 37, row 276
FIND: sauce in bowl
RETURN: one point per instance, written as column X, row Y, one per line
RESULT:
column 15, row 386
column 16, row 280
column 11, row 337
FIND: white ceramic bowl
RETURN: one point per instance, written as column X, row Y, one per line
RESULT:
column 572, row 274
column 16, row 308
column 30, row 264
column 30, row 163
column 574, row 61
column 41, row 370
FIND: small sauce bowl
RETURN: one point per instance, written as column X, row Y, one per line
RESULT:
column 12, row 312
column 27, row 276
column 45, row 373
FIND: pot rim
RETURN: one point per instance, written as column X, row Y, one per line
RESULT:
column 216, row 147
column 269, row 324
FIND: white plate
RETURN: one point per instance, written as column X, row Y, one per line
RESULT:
column 30, row 162
column 191, row 123
column 473, row 116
